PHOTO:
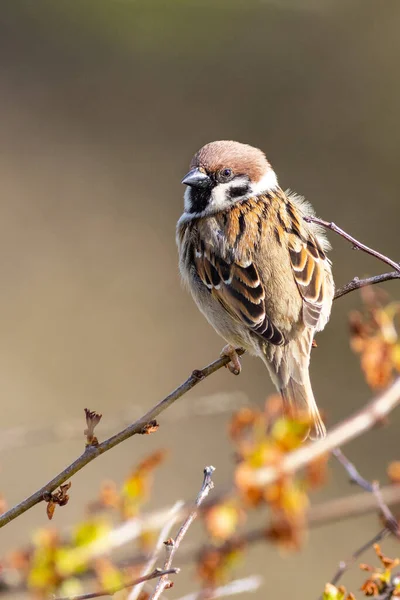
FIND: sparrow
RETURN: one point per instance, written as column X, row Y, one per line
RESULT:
column 256, row 268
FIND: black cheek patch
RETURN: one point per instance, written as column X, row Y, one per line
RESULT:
column 238, row 191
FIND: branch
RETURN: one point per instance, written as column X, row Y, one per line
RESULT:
column 359, row 423
column 391, row 527
column 92, row 452
column 173, row 545
column 356, row 283
column 356, row 244
column 344, row 565
column 390, row 520
column 111, row 592
column 164, row 534
column 352, row 472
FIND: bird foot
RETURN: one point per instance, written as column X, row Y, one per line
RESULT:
column 234, row 364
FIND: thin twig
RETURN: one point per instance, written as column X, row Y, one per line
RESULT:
column 353, row 427
column 164, row 534
column 358, row 479
column 111, row 592
column 390, row 520
column 355, row 477
column 92, row 452
column 173, row 545
column 353, row 473
column 344, row 565
column 356, row 283
column 356, row 244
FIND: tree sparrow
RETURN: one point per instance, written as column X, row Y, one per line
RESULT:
column 256, row 269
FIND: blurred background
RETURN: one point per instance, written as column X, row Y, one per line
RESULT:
column 102, row 104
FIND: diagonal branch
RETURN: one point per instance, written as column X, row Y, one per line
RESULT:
column 356, row 283
column 173, row 545
column 164, row 534
column 92, row 452
column 356, row 244
column 352, row 471
column 391, row 522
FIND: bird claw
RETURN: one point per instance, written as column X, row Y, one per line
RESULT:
column 234, row 364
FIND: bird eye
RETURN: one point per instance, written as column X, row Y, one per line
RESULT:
column 226, row 174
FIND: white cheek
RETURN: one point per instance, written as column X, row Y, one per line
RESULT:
column 267, row 183
column 220, row 197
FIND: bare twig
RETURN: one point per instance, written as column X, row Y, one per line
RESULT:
column 344, row 565
column 392, row 526
column 164, row 534
column 110, row 592
column 353, row 473
column 390, row 520
column 356, row 283
column 353, row 427
column 356, row 244
column 173, row 545
column 91, row 452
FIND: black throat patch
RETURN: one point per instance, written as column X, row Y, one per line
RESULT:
column 199, row 199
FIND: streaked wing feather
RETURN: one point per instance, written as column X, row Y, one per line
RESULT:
column 307, row 260
column 238, row 288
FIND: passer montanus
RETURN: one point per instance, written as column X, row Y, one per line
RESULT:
column 256, row 269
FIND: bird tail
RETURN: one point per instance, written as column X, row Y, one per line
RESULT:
column 299, row 398
column 288, row 366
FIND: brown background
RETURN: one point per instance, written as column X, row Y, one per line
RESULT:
column 102, row 104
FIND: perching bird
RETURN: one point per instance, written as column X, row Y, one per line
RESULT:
column 256, row 269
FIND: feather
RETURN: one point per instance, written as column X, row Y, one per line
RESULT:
column 238, row 288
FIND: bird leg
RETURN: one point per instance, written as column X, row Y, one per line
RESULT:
column 234, row 364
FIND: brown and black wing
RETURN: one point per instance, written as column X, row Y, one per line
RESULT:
column 238, row 288
column 308, row 264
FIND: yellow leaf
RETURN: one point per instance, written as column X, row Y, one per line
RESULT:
column 89, row 531
column 222, row 520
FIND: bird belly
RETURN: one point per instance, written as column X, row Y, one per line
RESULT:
column 224, row 324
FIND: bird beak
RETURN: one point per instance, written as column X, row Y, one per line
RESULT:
column 195, row 178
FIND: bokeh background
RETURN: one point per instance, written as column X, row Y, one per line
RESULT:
column 102, row 104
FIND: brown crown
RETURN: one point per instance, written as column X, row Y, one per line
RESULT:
column 241, row 158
